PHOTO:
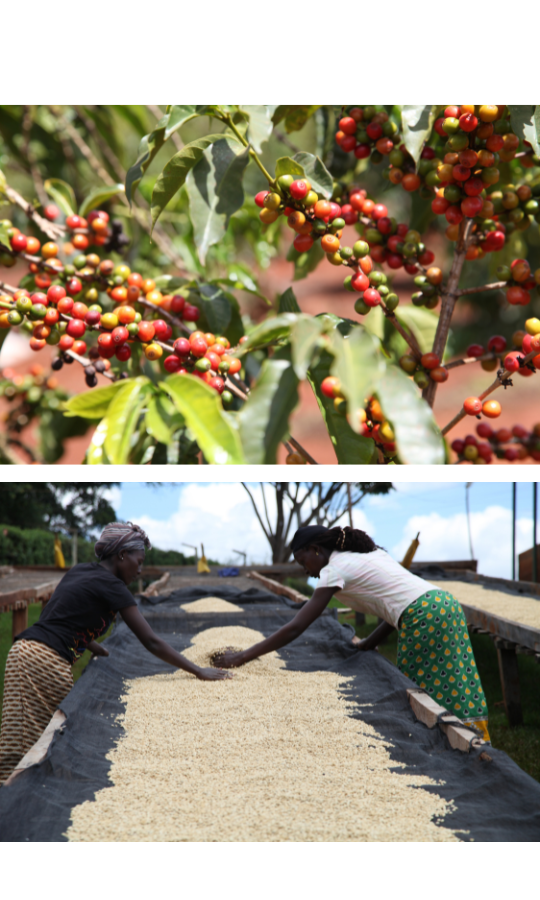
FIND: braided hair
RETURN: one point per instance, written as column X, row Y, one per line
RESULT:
column 344, row 540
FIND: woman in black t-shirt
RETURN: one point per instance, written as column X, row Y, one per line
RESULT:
column 38, row 668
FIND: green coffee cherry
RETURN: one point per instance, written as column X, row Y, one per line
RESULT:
column 361, row 308
column 421, row 379
column 272, row 201
column 14, row 317
column 392, row 301
column 24, row 304
column 345, row 252
column 347, row 284
column 417, row 298
column 377, row 278
column 360, row 249
column 284, row 182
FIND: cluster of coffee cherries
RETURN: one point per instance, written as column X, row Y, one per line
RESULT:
column 478, row 138
column 520, row 442
column 25, row 394
column 424, row 369
column 422, row 177
column 515, row 207
column 367, row 132
column 373, row 422
column 389, row 242
column 519, row 281
column 308, row 215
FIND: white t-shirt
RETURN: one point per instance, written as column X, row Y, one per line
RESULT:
column 373, row 583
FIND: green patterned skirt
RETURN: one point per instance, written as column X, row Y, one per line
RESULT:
column 434, row 651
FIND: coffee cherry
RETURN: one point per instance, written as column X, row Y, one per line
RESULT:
column 430, row 361
column 299, row 189
column 472, row 406
column 146, row 331
column 421, row 378
column 153, row 351
column 439, row 374
column 371, row 297
column 330, row 386
column 497, row 343
column 511, row 361
column 491, row 409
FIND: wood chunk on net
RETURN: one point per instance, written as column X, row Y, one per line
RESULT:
column 270, row 755
column 525, row 610
column 211, row 604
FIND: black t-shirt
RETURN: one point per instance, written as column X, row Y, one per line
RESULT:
column 81, row 609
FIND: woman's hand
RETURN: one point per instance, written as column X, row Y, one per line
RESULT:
column 213, row 674
column 97, row 649
column 229, row 659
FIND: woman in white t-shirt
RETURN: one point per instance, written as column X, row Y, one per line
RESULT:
column 434, row 648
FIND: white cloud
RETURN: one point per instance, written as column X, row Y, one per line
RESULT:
column 221, row 517
column 113, row 495
column 446, row 538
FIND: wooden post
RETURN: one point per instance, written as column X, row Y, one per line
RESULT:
column 19, row 619
column 360, row 618
column 509, row 674
column 74, row 556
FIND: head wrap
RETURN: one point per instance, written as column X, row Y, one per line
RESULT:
column 308, row 535
column 121, row 536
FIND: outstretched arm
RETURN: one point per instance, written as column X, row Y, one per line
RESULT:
column 293, row 629
column 141, row 629
column 376, row 637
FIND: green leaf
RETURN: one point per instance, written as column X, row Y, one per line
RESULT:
column 62, row 194
column 288, row 302
column 212, row 428
column 268, row 332
column 151, row 143
column 358, row 364
column 418, row 437
column 350, row 448
column 305, row 337
column 260, row 125
column 215, row 191
column 98, row 196
column 178, row 116
column 123, row 417
column 295, row 116
column 96, row 455
column 161, row 420
column 304, row 263
column 421, row 322
column 4, row 237
column 416, row 122
column 526, row 124
column 168, row 283
column 316, row 173
column 216, row 307
column 264, row 419
column 93, row 404
column 176, row 171
column 286, row 165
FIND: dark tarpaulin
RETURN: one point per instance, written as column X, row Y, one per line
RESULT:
column 494, row 801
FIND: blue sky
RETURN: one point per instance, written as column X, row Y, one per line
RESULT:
column 220, row 516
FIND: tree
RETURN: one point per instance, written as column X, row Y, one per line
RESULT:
column 307, row 503
column 56, row 506
column 146, row 253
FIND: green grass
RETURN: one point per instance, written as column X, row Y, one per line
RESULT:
column 522, row 744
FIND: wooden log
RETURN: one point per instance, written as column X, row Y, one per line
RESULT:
column 431, row 713
column 38, row 751
column 19, row 619
column 154, row 589
column 509, row 674
column 276, row 588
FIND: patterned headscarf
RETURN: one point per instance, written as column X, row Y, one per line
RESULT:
column 121, row 536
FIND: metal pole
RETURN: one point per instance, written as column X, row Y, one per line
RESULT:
column 349, row 498
column 535, row 518
column 467, row 486
column 513, row 530
column 74, row 547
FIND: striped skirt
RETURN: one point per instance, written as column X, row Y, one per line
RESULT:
column 36, row 680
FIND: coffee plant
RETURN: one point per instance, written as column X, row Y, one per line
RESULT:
column 131, row 263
